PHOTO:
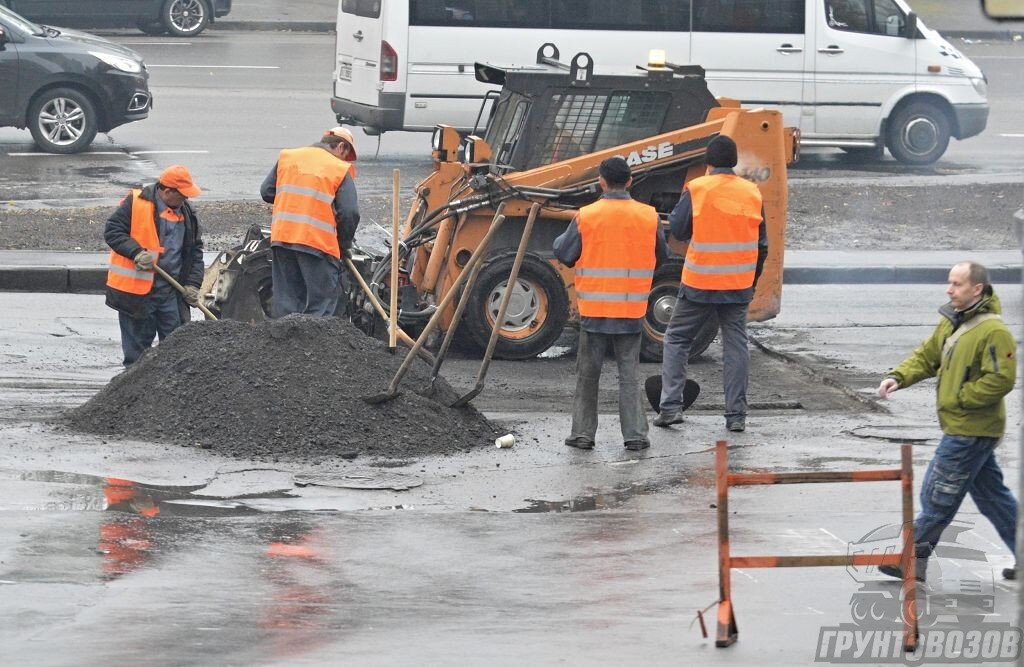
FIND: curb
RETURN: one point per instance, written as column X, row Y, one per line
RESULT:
column 92, row 279
column 296, row 26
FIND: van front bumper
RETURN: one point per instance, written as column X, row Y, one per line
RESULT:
column 971, row 119
column 389, row 114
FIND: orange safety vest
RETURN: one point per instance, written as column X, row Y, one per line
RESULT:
column 726, row 215
column 616, row 267
column 307, row 181
column 122, row 274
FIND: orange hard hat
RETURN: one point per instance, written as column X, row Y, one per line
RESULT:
column 346, row 135
column 179, row 178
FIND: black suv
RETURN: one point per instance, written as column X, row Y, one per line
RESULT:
column 66, row 86
column 181, row 18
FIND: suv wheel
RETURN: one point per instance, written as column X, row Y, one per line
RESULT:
column 185, row 18
column 62, row 120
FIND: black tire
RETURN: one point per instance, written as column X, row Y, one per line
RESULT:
column 63, row 120
column 151, row 27
column 864, row 152
column 185, row 18
column 918, row 133
column 536, row 316
column 659, row 311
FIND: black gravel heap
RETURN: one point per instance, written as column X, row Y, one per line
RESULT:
column 291, row 388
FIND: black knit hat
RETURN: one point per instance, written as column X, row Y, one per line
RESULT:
column 722, row 152
column 616, row 171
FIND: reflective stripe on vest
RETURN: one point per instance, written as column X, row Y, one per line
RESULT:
column 122, row 274
column 616, row 267
column 726, row 215
column 307, row 181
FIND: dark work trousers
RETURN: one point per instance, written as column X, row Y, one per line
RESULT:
column 963, row 465
column 687, row 319
column 589, row 359
column 304, row 283
column 137, row 334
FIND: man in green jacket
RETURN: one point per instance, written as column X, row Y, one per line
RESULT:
column 971, row 352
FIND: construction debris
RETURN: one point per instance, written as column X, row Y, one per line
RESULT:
column 283, row 389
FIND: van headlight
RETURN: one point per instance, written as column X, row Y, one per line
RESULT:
column 118, row 62
column 980, row 86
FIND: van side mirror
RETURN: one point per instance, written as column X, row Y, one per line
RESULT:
column 911, row 27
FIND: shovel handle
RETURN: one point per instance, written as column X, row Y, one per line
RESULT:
column 176, row 285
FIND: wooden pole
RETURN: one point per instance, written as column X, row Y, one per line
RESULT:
column 393, row 326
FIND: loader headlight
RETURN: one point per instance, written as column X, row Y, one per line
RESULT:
column 466, row 152
column 435, row 139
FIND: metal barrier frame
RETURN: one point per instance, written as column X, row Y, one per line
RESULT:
column 727, row 630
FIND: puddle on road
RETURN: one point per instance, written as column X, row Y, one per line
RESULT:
column 598, row 501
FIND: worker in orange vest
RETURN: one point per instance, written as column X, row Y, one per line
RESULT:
column 316, row 212
column 154, row 225
column 615, row 244
column 722, row 216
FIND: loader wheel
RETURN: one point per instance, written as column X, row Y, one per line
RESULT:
column 536, row 315
column 660, row 305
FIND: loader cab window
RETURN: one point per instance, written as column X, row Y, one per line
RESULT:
column 874, row 17
column 576, row 124
column 506, row 127
column 366, row 8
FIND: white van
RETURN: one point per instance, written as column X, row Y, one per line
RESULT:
column 857, row 74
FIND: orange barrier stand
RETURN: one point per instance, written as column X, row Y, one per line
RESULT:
column 727, row 631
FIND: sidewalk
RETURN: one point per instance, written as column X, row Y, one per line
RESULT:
column 953, row 18
column 85, row 272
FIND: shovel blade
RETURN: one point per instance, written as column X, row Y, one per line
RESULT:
column 383, row 397
column 652, row 387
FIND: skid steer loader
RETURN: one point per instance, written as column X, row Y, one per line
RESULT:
column 549, row 128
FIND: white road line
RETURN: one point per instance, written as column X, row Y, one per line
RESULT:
column 739, row 571
column 1013, row 136
column 997, row 57
column 214, row 66
column 63, row 155
column 816, row 611
column 170, row 152
column 843, row 542
column 157, row 43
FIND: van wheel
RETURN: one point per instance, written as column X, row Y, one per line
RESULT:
column 536, row 315
column 185, row 18
column 918, row 133
column 660, row 305
column 62, row 120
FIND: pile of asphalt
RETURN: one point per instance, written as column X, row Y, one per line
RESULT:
column 291, row 388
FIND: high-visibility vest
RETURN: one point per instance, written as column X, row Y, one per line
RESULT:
column 122, row 274
column 307, row 181
column 723, row 250
column 616, row 267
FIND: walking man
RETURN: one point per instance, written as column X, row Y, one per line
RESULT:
column 615, row 244
column 154, row 225
column 971, row 352
column 722, row 216
column 316, row 212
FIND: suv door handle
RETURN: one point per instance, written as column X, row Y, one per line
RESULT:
column 358, row 35
column 832, row 49
column 789, row 48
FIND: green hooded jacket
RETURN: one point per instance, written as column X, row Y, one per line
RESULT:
column 973, row 376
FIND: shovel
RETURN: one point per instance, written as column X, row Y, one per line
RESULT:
column 652, row 387
column 176, row 285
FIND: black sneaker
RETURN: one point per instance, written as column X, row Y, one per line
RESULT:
column 736, row 424
column 580, row 443
column 636, row 445
column 668, row 417
column 1010, row 573
column 897, row 572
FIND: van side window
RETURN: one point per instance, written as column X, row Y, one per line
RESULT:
column 646, row 15
column 875, row 17
column 770, row 16
column 368, row 8
column 577, row 123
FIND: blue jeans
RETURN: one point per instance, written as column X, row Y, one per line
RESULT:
column 962, row 465
column 137, row 334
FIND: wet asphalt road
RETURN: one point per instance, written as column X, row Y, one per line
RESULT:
column 137, row 552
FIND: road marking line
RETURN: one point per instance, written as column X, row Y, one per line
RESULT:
column 64, row 155
column 834, row 537
column 170, row 152
column 816, row 611
column 1012, row 136
column 739, row 571
column 157, row 43
column 997, row 57
column 216, row 66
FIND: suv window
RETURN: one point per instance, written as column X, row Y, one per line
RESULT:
column 578, row 123
column 881, row 17
column 368, row 8
column 771, row 16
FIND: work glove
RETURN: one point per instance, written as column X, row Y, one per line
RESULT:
column 191, row 295
column 145, row 261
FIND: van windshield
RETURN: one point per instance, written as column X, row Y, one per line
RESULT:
column 19, row 23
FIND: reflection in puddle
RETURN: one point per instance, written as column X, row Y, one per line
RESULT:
column 598, row 501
